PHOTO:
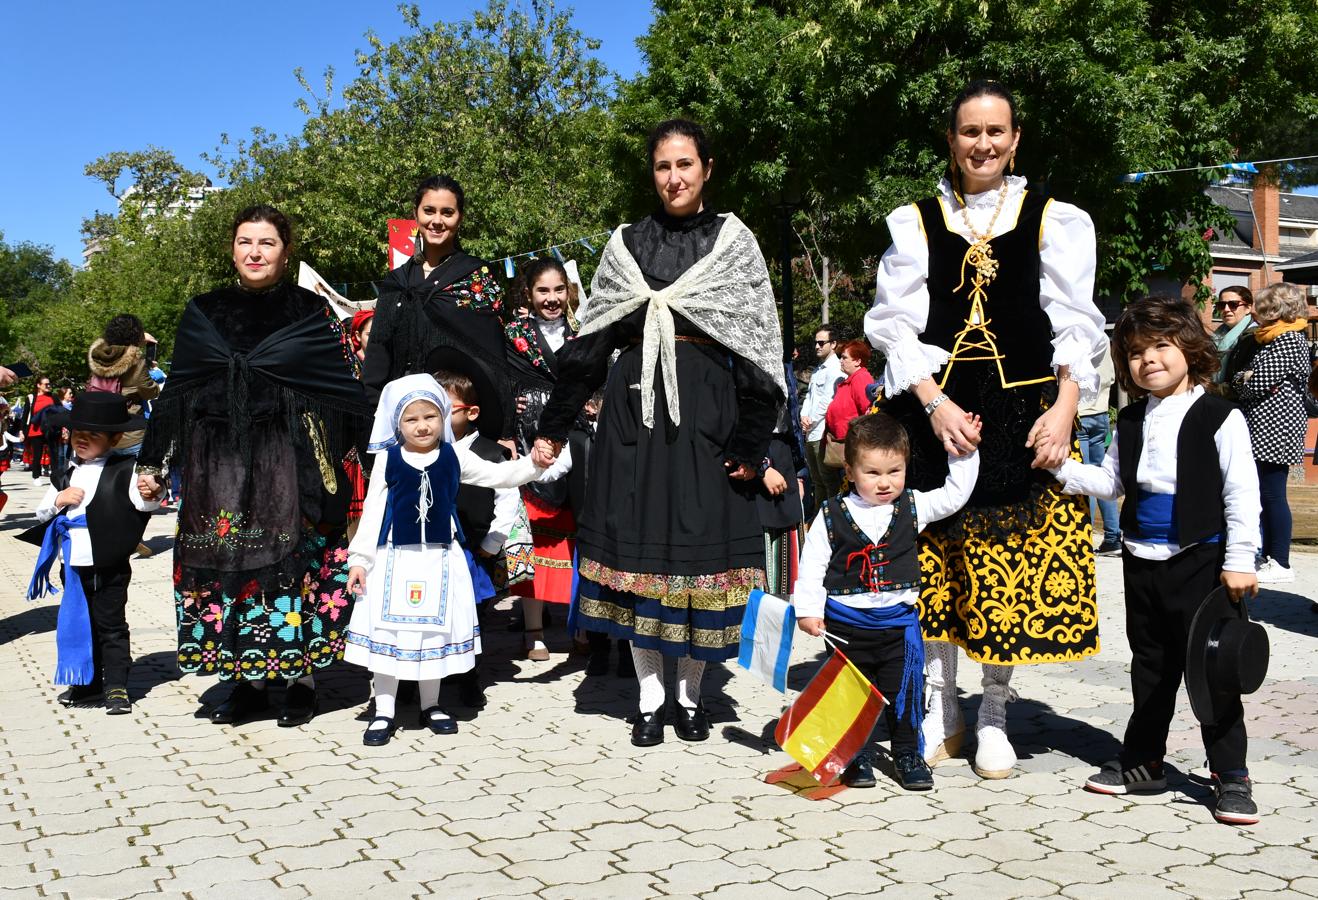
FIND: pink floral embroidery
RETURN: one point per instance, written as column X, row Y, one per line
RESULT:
column 331, row 604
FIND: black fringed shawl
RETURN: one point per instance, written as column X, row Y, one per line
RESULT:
column 304, row 362
column 261, row 406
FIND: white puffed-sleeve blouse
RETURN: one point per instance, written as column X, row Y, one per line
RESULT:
column 1066, row 287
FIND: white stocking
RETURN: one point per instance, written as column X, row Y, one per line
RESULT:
column 650, row 674
column 428, row 693
column 940, row 676
column 689, row 673
column 386, row 692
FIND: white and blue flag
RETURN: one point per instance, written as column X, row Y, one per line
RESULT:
column 766, row 638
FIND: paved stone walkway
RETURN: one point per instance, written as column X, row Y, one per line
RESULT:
column 542, row 794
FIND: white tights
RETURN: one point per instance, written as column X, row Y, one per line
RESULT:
column 386, row 694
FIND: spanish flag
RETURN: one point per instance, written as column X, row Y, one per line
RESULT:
column 832, row 719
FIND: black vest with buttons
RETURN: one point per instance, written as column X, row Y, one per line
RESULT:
column 1197, row 506
column 1020, row 328
column 861, row 567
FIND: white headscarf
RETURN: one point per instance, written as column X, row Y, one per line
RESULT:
column 395, row 398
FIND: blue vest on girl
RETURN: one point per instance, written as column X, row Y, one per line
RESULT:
column 417, row 495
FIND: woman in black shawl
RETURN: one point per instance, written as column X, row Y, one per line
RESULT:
column 443, row 297
column 261, row 407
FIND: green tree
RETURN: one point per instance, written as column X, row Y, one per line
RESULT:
column 846, row 101
column 31, row 280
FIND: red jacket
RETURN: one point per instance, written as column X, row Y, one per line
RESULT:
column 849, row 401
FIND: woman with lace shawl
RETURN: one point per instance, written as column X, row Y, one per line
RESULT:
column 261, row 407
column 669, row 539
column 984, row 306
column 442, row 297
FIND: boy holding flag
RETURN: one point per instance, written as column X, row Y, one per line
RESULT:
column 859, row 579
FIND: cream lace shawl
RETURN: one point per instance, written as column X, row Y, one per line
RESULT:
column 726, row 295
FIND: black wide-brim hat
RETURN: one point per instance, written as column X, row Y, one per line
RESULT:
column 1226, row 655
column 97, row 411
column 488, row 397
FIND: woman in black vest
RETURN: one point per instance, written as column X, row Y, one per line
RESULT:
column 985, row 306
column 261, row 407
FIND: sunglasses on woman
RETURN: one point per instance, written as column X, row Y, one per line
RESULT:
column 1231, row 304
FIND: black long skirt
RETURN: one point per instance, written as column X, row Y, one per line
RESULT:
column 669, row 546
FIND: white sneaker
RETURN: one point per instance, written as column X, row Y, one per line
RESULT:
column 1265, row 566
column 1274, row 572
column 994, row 757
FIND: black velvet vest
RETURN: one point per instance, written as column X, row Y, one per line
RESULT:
column 1197, row 507
column 860, row 567
column 114, row 525
column 1015, row 323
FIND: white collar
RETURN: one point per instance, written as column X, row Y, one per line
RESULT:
column 468, row 439
column 98, row 462
column 1016, row 186
column 862, row 503
column 1176, row 403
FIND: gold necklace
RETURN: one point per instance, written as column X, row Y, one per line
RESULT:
column 976, row 341
column 988, row 232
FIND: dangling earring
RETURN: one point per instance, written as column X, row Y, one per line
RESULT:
column 1011, row 165
column 955, row 179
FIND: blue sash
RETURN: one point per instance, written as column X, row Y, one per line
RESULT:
column 1156, row 516
column 73, row 630
column 909, row 701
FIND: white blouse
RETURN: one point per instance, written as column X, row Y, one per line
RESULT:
column 1066, row 287
column 555, row 332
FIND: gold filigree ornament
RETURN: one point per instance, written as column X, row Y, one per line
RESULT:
column 319, row 443
column 975, row 342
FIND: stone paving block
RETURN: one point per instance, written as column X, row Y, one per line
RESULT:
column 353, row 879
column 580, row 867
column 59, row 846
column 915, row 865
column 762, row 892
column 663, row 799
column 651, row 856
column 1205, row 837
column 1147, row 858
column 792, row 857
column 112, row 858
column 614, row 886
column 1282, row 862
column 620, row 835
column 994, row 885
column 204, row 874
column 435, row 864
column 249, row 890
column 710, row 815
column 1088, row 835
column 1210, row 882
column 401, row 844
column 125, row 883
column 20, row 876
column 839, row 877
column 295, row 857
column 181, row 853
column 579, row 816
column 521, row 825
column 1123, row 887
column 1001, row 844
column 943, row 827
column 484, row 884
column 1063, row 868
column 877, row 844
column 695, row 876
column 539, row 845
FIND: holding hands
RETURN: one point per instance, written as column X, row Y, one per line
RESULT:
column 148, row 487
column 544, row 452
column 957, row 430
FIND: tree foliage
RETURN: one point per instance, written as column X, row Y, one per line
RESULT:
column 845, row 102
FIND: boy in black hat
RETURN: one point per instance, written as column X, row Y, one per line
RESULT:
column 99, row 520
column 1190, row 522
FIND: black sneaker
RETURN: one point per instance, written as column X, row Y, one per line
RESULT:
column 1108, row 548
column 860, row 774
column 913, row 773
column 82, row 695
column 117, row 702
column 1112, row 779
column 1235, row 800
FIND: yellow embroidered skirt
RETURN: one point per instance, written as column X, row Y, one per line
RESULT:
column 1011, row 576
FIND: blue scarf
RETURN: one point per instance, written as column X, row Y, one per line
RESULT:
column 909, row 701
column 73, row 630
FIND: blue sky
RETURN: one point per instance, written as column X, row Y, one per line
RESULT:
column 84, row 78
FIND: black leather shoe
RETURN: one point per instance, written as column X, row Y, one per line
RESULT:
column 913, row 772
column 82, row 695
column 860, row 774
column 299, row 706
column 649, row 729
column 242, row 702
column 691, row 725
column 377, row 734
column 442, row 723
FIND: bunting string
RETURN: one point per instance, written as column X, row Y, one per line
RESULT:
column 1250, row 168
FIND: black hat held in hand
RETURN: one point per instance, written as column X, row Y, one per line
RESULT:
column 1226, row 655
